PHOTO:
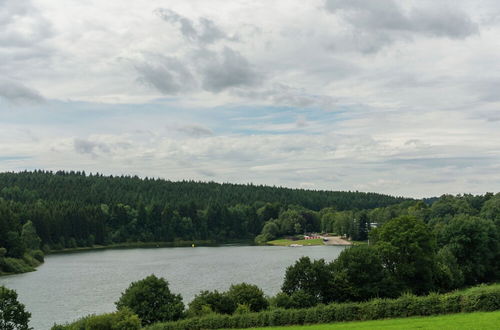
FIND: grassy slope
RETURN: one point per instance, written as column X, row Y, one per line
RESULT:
column 305, row 242
column 487, row 320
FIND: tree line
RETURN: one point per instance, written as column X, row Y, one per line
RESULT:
column 57, row 210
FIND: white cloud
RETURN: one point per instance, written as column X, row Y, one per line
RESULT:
column 397, row 97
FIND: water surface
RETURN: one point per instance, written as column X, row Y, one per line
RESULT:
column 69, row 286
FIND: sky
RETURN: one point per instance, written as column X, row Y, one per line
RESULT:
column 396, row 97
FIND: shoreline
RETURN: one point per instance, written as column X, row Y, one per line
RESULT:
column 151, row 245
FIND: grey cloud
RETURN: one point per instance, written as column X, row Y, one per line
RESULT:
column 168, row 75
column 205, row 31
column 363, row 41
column 17, row 93
column 440, row 162
column 89, row 147
column 281, row 94
column 380, row 23
column 207, row 173
column 195, row 130
column 226, row 69
column 21, row 24
column 487, row 89
column 213, row 72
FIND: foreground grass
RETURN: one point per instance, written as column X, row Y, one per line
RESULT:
column 304, row 242
column 485, row 320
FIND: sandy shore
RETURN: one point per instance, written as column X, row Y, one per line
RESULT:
column 335, row 240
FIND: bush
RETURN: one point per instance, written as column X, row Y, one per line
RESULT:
column 482, row 298
column 12, row 313
column 298, row 299
column 214, row 301
column 120, row 320
column 37, row 255
column 248, row 294
column 14, row 265
column 152, row 300
column 312, row 277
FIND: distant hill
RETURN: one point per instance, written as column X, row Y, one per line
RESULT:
column 51, row 211
column 97, row 189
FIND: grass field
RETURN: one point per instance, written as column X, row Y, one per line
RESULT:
column 488, row 320
column 305, row 242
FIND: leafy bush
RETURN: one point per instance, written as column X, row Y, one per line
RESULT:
column 311, row 277
column 152, row 300
column 14, row 265
column 481, row 298
column 298, row 299
column 38, row 255
column 12, row 313
column 248, row 294
column 214, row 301
column 123, row 319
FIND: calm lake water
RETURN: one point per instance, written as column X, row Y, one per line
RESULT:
column 69, row 286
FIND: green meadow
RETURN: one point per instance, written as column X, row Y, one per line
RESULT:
column 485, row 320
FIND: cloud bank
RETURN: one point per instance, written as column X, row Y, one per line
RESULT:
column 389, row 96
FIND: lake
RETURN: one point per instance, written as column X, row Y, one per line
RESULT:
column 69, row 286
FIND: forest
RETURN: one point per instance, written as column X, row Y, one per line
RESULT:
column 43, row 211
column 415, row 247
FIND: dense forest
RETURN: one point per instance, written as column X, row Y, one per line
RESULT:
column 46, row 211
column 414, row 246
column 50, row 211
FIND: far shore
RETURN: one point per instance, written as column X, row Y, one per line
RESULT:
column 321, row 240
column 151, row 245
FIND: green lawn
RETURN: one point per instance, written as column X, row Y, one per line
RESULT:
column 488, row 320
column 305, row 242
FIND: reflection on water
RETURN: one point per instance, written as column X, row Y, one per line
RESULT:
column 69, row 286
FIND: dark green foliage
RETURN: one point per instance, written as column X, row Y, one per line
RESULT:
column 359, row 274
column 37, row 255
column 29, row 236
column 248, row 294
column 71, row 209
column 211, row 301
column 449, row 275
column 269, row 232
column 482, row 298
column 123, row 319
column 407, row 248
column 152, row 300
column 475, row 244
column 15, row 266
column 491, row 209
column 298, row 299
column 311, row 277
column 12, row 313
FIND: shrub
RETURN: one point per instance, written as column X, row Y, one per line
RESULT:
column 14, row 265
column 242, row 309
column 121, row 320
column 215, row 301
column 298, row 299
column 38, row 255
column 312, row 277
column 248, row 294
column 152, row 300
column 12, row 313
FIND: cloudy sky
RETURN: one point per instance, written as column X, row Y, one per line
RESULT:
column 398, row 97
